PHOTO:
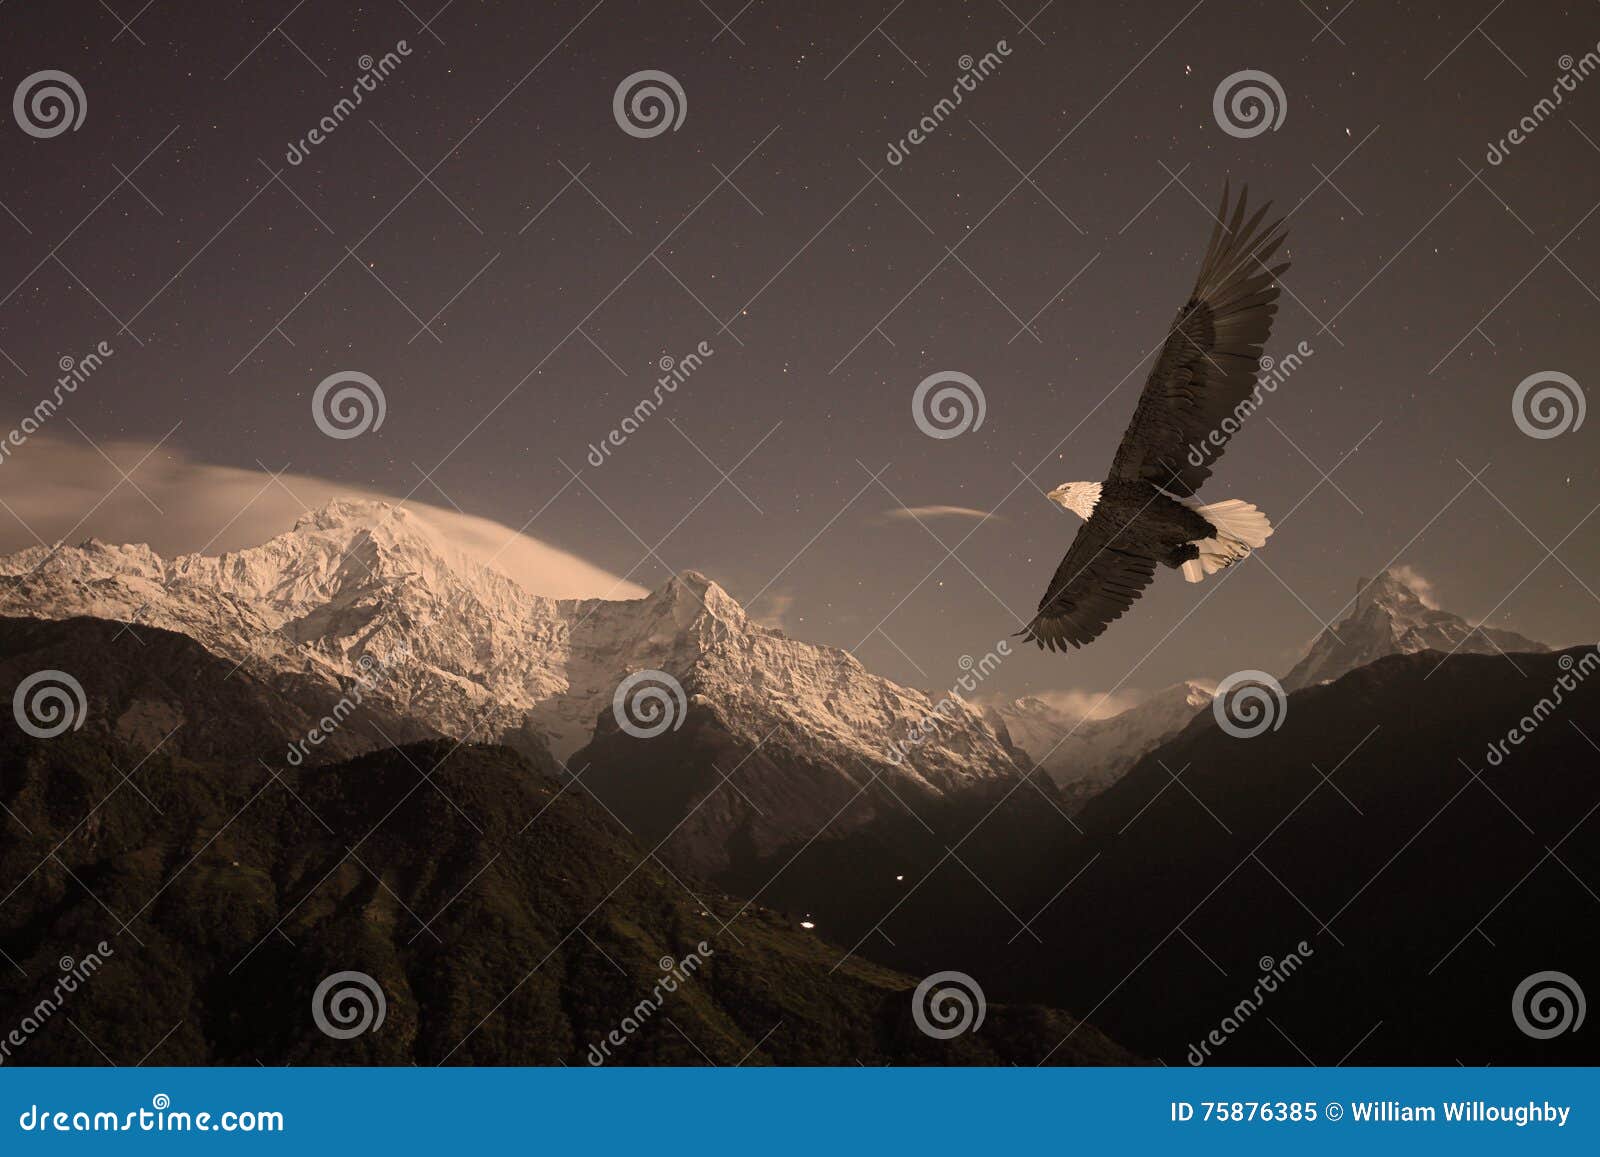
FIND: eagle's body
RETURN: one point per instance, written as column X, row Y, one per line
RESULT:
column 1145, row 520
column 1145, row 514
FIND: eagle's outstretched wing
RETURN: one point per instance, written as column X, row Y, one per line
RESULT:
column 1104, row 571
column 1208, row 366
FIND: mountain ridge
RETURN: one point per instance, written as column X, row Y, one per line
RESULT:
column 1388, row 616
column 225, row 892
column 466, row 651
column 1085, row 756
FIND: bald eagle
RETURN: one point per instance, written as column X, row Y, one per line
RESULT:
column 1202, row 386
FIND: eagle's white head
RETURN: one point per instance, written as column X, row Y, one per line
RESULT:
column 1078, row 497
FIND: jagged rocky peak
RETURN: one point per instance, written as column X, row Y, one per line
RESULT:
column 343, row 512
column 350, row 547
column 353, row 523
column 1390, row 593
column 91, row 559
column 1390, row 615
column 465, row 649
column 688, row 595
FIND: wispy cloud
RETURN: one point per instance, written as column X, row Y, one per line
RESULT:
column 1419, row 583
column 54, row 489
column 1074, row 704
column 1090, row 704
column 909, row 513
column 774, row 610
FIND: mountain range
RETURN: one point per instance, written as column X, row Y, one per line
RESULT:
column 1426, row 877
column 504, row 918
column 1388, row 616
column 862, row 830
column 362, row 590
column 367, row 590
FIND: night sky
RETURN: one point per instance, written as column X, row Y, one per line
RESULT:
column 514, row 304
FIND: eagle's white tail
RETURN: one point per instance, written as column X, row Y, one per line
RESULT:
column 1241, row 528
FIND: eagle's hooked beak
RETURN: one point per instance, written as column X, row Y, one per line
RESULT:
column 1078, row 497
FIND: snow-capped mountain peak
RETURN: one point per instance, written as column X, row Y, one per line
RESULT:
column 1390, row 616
column 466, row 650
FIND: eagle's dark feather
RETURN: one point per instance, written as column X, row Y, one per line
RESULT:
column 1207, row 367
column 1209, row 362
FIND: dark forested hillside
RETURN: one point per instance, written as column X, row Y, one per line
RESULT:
column 505, row 916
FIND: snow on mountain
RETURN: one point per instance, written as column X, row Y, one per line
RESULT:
column 1391, row 618
column 366, row 589
column 1086, row 756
